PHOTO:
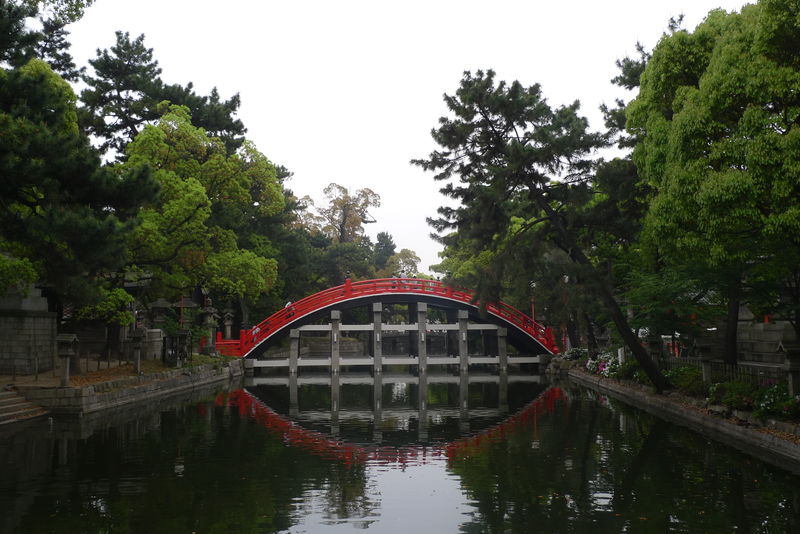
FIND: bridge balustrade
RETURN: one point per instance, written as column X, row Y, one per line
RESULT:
column 249, row 339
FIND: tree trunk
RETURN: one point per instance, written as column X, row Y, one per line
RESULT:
column 620, row 321
column 572, row 330
column 731, row 329
column 245, row 308
column 590, row 337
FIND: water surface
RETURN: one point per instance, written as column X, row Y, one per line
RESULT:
column 415, row 456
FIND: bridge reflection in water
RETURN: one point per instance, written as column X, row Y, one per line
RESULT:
column 400, row 409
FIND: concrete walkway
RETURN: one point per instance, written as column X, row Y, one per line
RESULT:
column 52, row 378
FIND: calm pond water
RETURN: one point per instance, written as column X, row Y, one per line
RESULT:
column 440, row 455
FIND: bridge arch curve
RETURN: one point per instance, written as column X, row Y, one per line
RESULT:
column 392, row 290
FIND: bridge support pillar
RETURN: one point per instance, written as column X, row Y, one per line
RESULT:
column 335, row 388
column 377, row 348
column 463, row 348
column 463, row 406
column 377, row 409
column 502, row 356
column 422, row 330
column 336, row 321
column 294, row 350
column 249, row 367
column 423, row 408
column 294, row 404
column 502, row 349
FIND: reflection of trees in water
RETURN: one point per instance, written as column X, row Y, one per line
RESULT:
column 588, row 468
column 202, row 469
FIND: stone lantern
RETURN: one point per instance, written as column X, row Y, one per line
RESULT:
column 67, row 349
column 159, row 309
column 227, row 321
column 136, row 341
column 210, row 317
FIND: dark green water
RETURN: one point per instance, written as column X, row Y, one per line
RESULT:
column 570, row 462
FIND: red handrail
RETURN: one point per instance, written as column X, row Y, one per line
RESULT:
column 248, row 339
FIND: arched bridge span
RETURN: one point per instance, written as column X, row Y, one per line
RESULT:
column 253, row 341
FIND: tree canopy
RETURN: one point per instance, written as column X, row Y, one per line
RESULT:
column 60, row 210
column 189, row 237
column 717, row 122
column 522, row 168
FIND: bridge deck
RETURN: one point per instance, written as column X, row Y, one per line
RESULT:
column 369, row 361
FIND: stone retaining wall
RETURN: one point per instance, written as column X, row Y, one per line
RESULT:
column 741, row 434
column 102, row 396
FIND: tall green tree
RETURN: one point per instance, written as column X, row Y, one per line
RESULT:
column 53, row 47
column 116, row 105
column 61, row 213
column 343, row 218
column 17, row 41
column 510, row 155
column 125, row 93
column 383, row 250
column 716, row 121
column 189, row 237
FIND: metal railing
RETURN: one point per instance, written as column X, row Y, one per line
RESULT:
column 760, row 376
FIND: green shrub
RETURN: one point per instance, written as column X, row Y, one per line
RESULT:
column 628, row 370
column 775, row 401
column 735, row 394
column 688, row 380
column 576, row 353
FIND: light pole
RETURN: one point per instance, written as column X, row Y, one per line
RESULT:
column 533, row 301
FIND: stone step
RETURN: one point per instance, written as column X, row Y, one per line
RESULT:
column 28, row 412
column 11, row 402
column 14, row 407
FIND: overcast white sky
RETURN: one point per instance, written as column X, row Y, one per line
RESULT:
column 348, row 91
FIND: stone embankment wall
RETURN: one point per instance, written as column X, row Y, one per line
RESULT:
column 112, row 394
column 28, row 332
column 775, row 442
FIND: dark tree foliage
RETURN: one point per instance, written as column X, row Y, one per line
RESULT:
column 116, row 102
column 125, row 93
column 53, row 47
column 215, row 116
column 58, row 206
column 17, row 42
column 383, row 250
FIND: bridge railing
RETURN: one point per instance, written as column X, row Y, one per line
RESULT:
column 248, row 339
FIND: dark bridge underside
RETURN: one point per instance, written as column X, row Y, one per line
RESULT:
column 520, row 339
column 522, row 331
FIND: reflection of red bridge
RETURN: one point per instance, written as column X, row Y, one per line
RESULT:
column 396, row 289
column 318, row 444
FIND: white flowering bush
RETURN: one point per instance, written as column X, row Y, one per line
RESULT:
column 775, row 401
column 606, row 365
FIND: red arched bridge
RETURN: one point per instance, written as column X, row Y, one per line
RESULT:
column 299, row 315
